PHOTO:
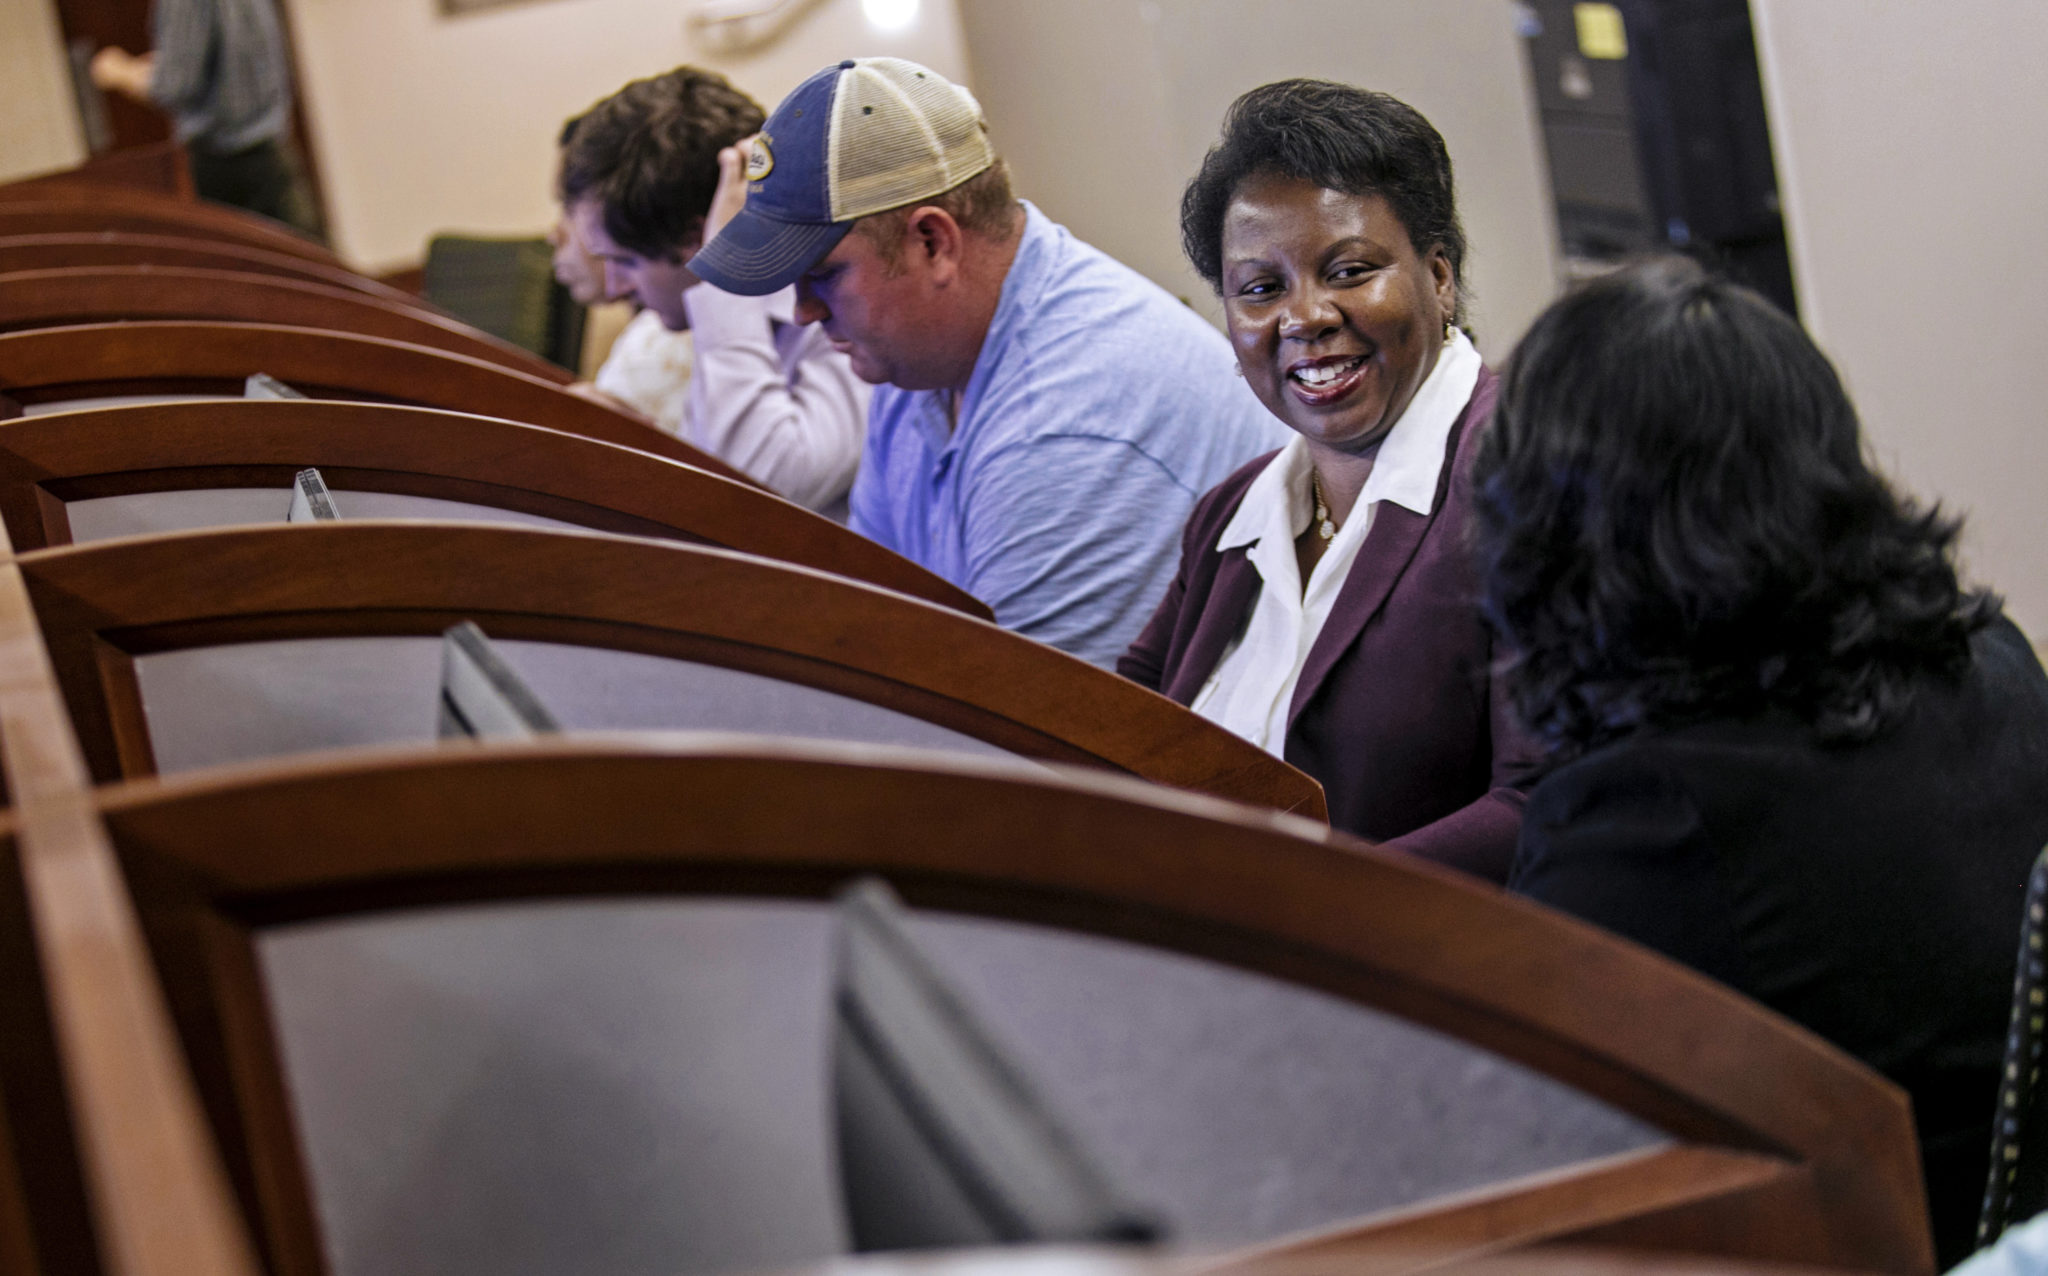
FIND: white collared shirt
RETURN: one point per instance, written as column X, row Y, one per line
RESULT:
column 1252, row 688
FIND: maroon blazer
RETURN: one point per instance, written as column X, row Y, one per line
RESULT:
column 1397, row 711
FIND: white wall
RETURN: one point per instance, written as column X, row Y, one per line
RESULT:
column 1105, row 107
column 39, row 128
column 1912, row 149
column 424, row 124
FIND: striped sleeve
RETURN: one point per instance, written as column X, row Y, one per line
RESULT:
column 182, row 33
column 221, row 71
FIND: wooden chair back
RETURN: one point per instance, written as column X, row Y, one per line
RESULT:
column 146, row 468
column 1779, row 1146
column 70, row 209
column 159, row 168
column 106, row 1163
column 125, row 248
column 612, row 632
column 97, row 294
column 52, row 368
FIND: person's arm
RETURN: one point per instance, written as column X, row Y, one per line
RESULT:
column 799, row 431
column 800, row 434
column 116, row 70
column 1480, row 836
column 1144, row 662
column 183, row 33
column 1619, row 842
column 1070, row 538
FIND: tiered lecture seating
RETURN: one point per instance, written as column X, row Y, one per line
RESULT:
column 157, row 168
column 1775, row 1146
column 124, row 248
column 142, row 468
column 93, row 365
column 95, row 294
column 289, row 985
column 68, row 210
column 186, row 651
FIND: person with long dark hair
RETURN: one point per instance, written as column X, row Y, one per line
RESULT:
column 1784, row 744
column 1324, row 607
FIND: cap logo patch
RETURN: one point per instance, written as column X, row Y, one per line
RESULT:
column 760, row 160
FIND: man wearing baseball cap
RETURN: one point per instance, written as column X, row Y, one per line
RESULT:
column 1045, row 417
column 641, row 187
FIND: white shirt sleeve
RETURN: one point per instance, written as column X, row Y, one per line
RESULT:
column 773, row 398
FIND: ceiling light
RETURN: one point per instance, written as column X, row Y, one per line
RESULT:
column 890, row 15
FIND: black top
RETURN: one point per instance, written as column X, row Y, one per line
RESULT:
column 1871, row 892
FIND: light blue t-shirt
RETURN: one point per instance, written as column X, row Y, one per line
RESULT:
column 2022, row 1251
column 1099, row 409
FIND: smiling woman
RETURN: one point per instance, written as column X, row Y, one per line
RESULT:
column 1336, row 317
column 1324, row 607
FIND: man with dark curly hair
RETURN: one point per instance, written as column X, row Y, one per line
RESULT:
column 641, row 188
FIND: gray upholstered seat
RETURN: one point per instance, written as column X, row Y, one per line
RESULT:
column 208, row 706
column 641, row 1087
column 137, row 514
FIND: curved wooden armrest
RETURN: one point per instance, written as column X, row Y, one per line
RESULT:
column 94, row 294
column 155, row 168
column 83, row 207
column 47, row 460
column 690, row 602
column 204, row 357
column 135, row 248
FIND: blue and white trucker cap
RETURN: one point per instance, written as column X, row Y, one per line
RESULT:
column 863, row 137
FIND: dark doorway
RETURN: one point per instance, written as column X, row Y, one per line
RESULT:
column 1654, row 126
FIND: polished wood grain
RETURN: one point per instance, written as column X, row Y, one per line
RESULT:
column 68, row 209
column 1794, row 1150
column 158, row 168
column 46, row 461
column 1656, row 1198
column 17, row 1230
column 43, row 1147
column 159, row 1197
column 127, row 248
column 107, row 601
column 97, row 294
column 192, row 357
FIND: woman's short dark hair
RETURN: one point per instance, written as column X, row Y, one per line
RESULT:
column 1675, row 520
column 1340, row 138
column 649, row 155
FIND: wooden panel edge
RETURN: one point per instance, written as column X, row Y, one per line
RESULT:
column 1570, row 1202
column 160, row 1196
